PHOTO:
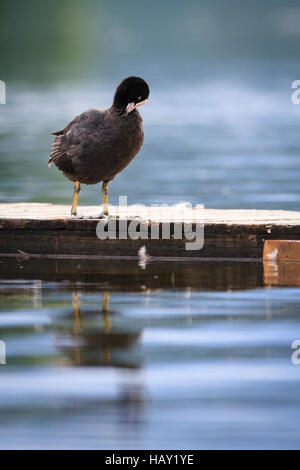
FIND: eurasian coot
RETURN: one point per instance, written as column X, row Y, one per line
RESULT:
column 97, row 144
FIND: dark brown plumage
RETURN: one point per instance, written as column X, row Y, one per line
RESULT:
column 97, row 144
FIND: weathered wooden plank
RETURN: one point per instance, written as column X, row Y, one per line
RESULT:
column 58, row 216
column 49, row 229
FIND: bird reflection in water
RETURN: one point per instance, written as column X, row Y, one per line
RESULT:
column 105, row 339
column 108, row 339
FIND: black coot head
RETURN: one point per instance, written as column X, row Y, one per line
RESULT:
column 132, row 92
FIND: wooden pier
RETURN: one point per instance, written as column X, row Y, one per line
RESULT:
column 242, row 248
column 48, row 229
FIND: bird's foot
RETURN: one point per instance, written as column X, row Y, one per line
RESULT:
column 104, row 216
column 101, row 216
column 136, row 217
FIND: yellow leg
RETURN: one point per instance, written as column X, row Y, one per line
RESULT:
column 105, row 197
column 75, row 196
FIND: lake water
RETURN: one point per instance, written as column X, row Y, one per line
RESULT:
column 152, row 363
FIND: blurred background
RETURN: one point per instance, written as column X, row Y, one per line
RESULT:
column 220, row 127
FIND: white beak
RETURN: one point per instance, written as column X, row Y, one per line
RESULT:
column 131, row 106
column 141, row 103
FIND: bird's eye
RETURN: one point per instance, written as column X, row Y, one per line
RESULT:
column 139, row 97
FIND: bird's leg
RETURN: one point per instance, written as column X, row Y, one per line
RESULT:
column 104, row 213
column 75, row 196
column 105, row 198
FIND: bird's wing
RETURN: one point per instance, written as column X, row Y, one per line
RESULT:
column 58, row 148
column 68, row 140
